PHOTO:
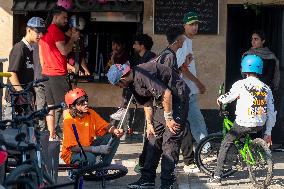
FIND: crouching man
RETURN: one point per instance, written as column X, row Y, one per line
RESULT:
column 93, row 131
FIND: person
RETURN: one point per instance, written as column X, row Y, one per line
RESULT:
column 21, row 64
column 142, row 46
column 271, row 73
column 52, row 52
column 167, row 57
column 93, row 131
column 83, row 69
column 186, row 62
column 120, row 55
column 254, row 109
column 165, row 122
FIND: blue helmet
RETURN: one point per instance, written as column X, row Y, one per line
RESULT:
column 116, row 71
column 252, row 64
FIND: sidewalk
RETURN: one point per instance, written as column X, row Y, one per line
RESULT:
column 128, row 154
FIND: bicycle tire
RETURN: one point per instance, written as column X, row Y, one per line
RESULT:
column 95, row 173
column 207, row 161
column 259, row 148
column 20, row 170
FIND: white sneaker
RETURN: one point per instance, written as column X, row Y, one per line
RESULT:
column 206, row 148
column 118, row 115
column 192, row 168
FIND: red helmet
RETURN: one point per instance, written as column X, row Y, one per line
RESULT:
column 72, row 95
column 67, row 4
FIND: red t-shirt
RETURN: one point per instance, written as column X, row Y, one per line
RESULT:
column 54, row 62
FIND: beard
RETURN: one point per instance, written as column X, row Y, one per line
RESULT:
column 63, row 28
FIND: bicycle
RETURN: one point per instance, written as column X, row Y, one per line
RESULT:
column 252, row 152
column 26, row 139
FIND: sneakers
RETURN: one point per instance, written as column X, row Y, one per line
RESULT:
column 118, row 115
column 215, row 181
column 138, row 168
column 142, row 184
column 192, row 168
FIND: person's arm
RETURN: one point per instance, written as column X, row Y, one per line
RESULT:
column 15, row 81
column 70, row 68
column 66, row 48
column 41, row 60
column 84, row 66
column 232, row 95
column 149, row 120
column 271, row 118
column 185, row 71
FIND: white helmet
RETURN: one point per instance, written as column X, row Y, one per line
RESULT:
column 80, row 26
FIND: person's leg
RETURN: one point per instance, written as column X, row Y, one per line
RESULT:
column 196, row 119
column 107, row 158
column 59, row 89
column 235, row 132
column 77, row 158
column 7, row 111
column 50, row 102
column 40, row 103
column 187, row 146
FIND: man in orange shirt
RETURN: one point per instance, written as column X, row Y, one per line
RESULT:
column 93, row 131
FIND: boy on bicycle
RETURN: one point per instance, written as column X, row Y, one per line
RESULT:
column 254, row 108
column 93, row 131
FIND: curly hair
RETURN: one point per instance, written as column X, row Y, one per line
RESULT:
column 144, row 39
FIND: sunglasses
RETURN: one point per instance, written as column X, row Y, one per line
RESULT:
column 82, row 101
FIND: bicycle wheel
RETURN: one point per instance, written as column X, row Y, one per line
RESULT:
column 28, row 173
column 95, row 173
column 206, row 154
column 261, row 172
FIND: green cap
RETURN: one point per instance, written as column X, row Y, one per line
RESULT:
column 190, row 18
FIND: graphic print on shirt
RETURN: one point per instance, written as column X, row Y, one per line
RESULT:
column 29, row 63
column 259, row 105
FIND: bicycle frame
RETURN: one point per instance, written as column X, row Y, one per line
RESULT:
column 243, row 147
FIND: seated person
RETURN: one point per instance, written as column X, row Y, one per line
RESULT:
column 93, row 131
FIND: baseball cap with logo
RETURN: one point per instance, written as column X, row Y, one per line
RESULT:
column 190, row 18
column 37, row 23
column 116, row 71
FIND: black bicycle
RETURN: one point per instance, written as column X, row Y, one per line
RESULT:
column 30, row 170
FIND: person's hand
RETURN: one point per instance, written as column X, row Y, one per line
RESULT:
column 87, row 72
column 188, row 59
column 75, row 34
column 219, row 103
column 102, row 149
column 150, row 130
column 267, row 139
column 118, row 132
column 172, row 125
column 201, row 88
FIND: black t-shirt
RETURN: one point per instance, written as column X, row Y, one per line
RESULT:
column 21, row 62
column 151, row 81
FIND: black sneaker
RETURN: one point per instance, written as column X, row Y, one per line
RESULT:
column 142, row 184
column 215, row 181
column 167, row 187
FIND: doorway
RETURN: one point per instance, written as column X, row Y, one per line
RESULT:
column 242, row 21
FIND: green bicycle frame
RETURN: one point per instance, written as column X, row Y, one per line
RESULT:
column 243, row 148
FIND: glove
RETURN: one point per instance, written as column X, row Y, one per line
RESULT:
column 102, row 149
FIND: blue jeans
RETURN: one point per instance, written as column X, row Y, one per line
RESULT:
column 196, row 119
column 92, row 158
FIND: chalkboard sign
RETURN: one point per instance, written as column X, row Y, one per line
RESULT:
column 170, row 13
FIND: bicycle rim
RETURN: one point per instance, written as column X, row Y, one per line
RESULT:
column 206, row 154
column 261, row 172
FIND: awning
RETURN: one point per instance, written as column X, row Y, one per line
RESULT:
column 22, row 6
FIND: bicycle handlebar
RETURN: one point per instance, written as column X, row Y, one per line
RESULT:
column 26, row 89
column 37, row 114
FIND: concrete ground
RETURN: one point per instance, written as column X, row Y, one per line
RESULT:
column 128, row 153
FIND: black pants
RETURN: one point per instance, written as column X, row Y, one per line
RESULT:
column 166, row 145
column 187, row 146
column 235, row 133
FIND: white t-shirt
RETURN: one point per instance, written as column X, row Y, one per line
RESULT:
column 181, row 56
column 255, row 104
